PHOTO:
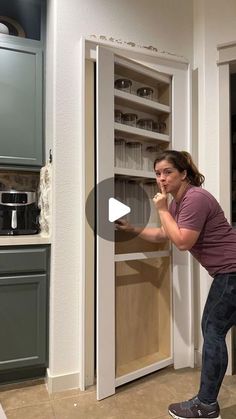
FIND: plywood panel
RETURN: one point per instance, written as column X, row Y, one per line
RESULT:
column 142, row 312
column 128, row 243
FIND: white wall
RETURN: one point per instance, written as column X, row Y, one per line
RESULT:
column 214, row 23
column 164, row 24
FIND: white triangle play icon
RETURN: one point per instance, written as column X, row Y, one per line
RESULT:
column 117, row 210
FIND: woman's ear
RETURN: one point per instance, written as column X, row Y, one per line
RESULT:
column 184, row 174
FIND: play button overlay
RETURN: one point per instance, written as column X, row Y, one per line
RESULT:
column 117, row 210
column 116, row 199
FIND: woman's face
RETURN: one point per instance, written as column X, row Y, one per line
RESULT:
column 169, row 176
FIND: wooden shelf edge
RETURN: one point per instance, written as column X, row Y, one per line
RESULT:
column 146, row 103
column 123, row 171
column 142, row 133
column 130, row 376
column 141, row 255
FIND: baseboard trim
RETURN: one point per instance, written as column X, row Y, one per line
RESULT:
column 61, row 382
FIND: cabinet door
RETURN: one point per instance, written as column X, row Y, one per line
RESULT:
column 139, row 330
column 20, row 106
column 23, row 321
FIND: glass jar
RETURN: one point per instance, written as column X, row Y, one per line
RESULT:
column 146, row 92
column 130, row 119
column 145, row 124
column 159, row 127
column 133, row 155
column 150, row 213
column 149, row 155
column 118, row 116
column 134, row 199
column 123, row 84
column 119, row 152
column 120, row 189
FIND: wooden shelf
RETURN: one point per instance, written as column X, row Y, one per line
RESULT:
column 131, row 132
column 122, row 171
column 142, row 74
column 128, row 243
column 139, row 103
column 141, row 255
column 142, row 362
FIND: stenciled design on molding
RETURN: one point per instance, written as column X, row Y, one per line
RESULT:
column 44, row 202
column 131, row 44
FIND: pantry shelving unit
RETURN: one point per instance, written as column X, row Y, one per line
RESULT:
column 142, row 324
column 142, row 270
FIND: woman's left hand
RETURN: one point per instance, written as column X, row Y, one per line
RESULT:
column 160, row 199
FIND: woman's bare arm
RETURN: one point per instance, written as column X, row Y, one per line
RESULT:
column 151, row 234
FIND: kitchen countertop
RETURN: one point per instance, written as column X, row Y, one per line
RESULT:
column 26, row 239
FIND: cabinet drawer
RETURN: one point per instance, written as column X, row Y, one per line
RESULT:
column 23, row 259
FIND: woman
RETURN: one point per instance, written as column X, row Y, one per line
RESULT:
column 195, row 221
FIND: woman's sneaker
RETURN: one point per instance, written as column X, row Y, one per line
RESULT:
column 194, row 409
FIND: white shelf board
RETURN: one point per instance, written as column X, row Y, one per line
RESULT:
column 124, row 98
column 129, row 68
column 122, row 171
column 144, row 134
column 141, row 255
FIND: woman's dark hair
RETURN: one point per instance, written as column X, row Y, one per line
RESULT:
column 182, row 160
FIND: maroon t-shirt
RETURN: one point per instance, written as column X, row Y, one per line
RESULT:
column 215, row 248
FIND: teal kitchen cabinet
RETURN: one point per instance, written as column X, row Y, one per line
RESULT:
column 24, row 284
column 21, row 125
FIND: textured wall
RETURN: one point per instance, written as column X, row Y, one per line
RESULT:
column 164, row 24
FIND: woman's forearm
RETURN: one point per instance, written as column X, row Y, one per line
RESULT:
column 171, row 228
column 154, row 235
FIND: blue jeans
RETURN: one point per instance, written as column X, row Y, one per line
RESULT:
column 218, row 317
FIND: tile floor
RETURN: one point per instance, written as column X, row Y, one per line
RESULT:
column 146, row 398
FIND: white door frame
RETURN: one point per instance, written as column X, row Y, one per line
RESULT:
column 226, row 66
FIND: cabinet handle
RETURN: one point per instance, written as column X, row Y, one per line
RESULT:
column 13, row 219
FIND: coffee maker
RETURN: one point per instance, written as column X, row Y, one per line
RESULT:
column 19, row 213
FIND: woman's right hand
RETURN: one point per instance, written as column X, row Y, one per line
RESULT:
column 123, row 225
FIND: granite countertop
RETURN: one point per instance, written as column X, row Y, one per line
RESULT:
column 24, row 240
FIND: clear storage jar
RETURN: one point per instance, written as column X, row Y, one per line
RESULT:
column 119, row 152
column 145, row 124
column 133, row 155
column 123, row 84
column 118, row 116
column 146, row 92
column 148, row 156
column 130, row 119
column 150, row 212
column 159, row 127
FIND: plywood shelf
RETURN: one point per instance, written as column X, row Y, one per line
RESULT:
column 141, row 363
column 141, row 255
column 122, row 171
column 128, row 243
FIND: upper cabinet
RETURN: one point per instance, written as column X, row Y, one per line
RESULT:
column 23, row 18
column 21, row 84
column 21, row 106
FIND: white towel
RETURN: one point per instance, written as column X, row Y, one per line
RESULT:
column 44, row 202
